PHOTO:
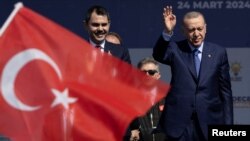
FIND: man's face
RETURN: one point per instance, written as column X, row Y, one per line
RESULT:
column 151, row 70
column 195, row 30
column 98, row 27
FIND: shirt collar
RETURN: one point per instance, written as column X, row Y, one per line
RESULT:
column 200, row 48
column 94, row 44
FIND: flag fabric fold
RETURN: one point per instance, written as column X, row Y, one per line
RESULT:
column 55, row 87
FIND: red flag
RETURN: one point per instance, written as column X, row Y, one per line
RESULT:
column 55, row 87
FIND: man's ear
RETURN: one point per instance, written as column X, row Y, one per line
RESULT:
column 205, row 28
column 158, row 76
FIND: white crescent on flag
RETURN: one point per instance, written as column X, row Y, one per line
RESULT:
column 10, row 72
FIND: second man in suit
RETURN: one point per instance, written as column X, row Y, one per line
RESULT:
column 97, row 23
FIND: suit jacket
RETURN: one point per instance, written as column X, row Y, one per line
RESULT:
column 209, row 95
column 149, row 121
column 123, row 54
column 117, row 51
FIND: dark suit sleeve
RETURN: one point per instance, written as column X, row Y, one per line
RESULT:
column 161, row 49
column 118, row 51
column 225, row 89
column 135, row 124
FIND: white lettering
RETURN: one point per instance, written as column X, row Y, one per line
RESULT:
column 207, row 4
column 231, row 133
column 215, row 132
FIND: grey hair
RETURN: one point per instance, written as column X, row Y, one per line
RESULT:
column 192, row 14
column 147, row 60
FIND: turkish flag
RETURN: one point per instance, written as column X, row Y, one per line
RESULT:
column 55, row 87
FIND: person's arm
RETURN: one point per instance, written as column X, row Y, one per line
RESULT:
column 160, row 47
column 225, row 89
column 135, row 131
column 135, row 135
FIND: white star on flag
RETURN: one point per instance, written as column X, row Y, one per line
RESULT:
column 62, row 98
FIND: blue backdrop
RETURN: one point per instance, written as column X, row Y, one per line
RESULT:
column 139, row 22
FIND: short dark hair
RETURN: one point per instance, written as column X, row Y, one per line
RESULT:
column 99, row 11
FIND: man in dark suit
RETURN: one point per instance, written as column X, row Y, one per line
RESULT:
column 200, row 92
column 97, row 23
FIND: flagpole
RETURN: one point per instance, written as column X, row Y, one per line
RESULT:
column 18, row 6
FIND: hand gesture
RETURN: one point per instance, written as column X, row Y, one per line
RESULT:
column 135, row 135
column 169, row 19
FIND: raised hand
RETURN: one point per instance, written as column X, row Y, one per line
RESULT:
column 169, row 19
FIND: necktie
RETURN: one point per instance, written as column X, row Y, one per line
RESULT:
column 197, row 61
column 98, row 46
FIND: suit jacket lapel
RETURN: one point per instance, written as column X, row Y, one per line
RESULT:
column 189, row 59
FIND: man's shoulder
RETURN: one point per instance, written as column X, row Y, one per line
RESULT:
column 182, row 42
column 115, row 47
column 214, row 45
column 112, row 45
column 211, row 44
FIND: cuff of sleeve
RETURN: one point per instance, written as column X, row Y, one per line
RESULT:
column 166, row 36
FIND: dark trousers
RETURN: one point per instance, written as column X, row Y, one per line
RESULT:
column 192, row 132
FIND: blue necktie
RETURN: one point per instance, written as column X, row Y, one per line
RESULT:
column 197, row 61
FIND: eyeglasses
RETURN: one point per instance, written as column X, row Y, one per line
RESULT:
column 150, row 72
